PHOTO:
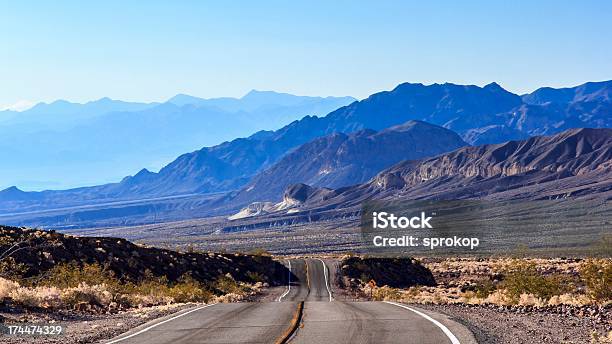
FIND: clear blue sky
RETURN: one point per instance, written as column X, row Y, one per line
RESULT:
column 151, row 50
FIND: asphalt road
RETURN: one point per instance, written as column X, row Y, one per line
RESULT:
column 365, row 322
column 220, row 323
column 308, row 281
column 324, row 320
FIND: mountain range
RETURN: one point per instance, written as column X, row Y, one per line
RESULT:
column 339, row 159
column 576, row 163
column 480, row 115
column 305, row 150
column 572, row 164
column 65, row 144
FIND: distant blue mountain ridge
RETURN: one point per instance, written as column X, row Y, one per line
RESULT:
column 64, row 144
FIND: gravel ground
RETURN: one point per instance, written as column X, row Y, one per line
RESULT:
column 500, row 325
column 87, row 328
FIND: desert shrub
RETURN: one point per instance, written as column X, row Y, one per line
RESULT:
column 256, row 277
column 500, row 297
column 570, row 299
column 522, row 277
column 191, row 248
column 11, row 269
column 227, row 285
column 385, row 293
column 152, row 290
column 71, row 275
column 231, row 297
column 90, row 287
column 413, row 292
column 190, row 290
column 149, row 291
column 6, row 287
column 596, row 274
column 39, row 297
column 484, row 288
column 531, row 300
column 97, row 295
column 598, row 338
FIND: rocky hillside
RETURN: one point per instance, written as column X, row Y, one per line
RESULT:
column 392, row 272
column 32, row 252
column 575, row 163
column 339, row 159
column 574, row 153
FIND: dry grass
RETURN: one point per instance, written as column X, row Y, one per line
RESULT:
column 93, row 288
column 523, row 282
column 597, row 338
column 509, row 282
column 597, row 277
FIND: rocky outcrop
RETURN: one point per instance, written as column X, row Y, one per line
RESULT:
column 392, row 272
column 254, row 209
column 36, row 251
column 300, row 193
column 574, row 152
column 295, row 195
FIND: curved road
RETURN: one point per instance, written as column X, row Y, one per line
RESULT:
column 324, row 320
column 308, row 281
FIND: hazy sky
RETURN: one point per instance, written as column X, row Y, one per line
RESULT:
column 152, row 50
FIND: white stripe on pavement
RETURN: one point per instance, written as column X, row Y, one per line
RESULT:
column 159, row 323
column 444, row 329
column 288, row 284
column 326, row 282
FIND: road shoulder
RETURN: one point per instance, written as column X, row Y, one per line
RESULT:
column 458, row 329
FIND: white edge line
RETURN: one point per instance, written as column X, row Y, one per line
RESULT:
column 159, row 323
column 326, row 283
column 288, row 283
column 444, row 329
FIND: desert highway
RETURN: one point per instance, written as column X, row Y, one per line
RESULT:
column 324, row 319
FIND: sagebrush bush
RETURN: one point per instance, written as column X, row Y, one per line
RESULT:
column 96, row 295
column 6, row 287
column 385, row 293
column 71, row 275
column 11, row 269
column 484, row 288
column 38, row 297
column 522, row 277
column 227, row 285
column 190, row 290
column 596, row 274
column 90, row 287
